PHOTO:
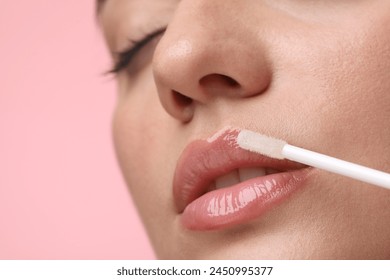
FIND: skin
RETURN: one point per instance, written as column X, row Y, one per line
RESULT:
column 314, row 73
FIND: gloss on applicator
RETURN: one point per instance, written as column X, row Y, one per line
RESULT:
column 279, row 149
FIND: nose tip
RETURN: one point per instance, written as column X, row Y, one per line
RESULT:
column 194, row 64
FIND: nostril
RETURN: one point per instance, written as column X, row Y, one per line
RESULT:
column 181, row 100
column 230, row 81
column 183, row 108
column 218, row 80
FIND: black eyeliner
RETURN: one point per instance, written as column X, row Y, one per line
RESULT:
column 125, row 57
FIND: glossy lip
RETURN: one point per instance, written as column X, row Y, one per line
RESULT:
column 203, row 161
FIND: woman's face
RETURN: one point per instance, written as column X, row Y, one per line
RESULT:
column 313, row 73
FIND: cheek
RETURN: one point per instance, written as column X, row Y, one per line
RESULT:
column 142, row 141
column 347, row 87
column 358, row 96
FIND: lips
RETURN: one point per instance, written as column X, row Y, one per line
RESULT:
column 218, row 185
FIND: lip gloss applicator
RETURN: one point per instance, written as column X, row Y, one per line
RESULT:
column 279, row 149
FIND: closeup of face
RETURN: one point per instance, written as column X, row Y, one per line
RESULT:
column 191, row 74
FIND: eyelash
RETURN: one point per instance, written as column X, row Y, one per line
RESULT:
column 125, row 57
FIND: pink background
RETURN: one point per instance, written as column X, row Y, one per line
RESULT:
column 61, row 192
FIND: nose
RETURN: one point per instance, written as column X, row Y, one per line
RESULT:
column 208, row 52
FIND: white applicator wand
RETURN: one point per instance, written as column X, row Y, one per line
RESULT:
column 279, row 149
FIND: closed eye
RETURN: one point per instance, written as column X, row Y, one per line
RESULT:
column 125, row 57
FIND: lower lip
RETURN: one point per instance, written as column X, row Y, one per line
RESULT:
column 242, row 202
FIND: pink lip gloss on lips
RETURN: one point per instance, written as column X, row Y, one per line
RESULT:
column 217, row 184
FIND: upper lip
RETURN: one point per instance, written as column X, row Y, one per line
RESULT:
column 202, row 162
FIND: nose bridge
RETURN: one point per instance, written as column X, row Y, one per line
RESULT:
column 208, row 51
